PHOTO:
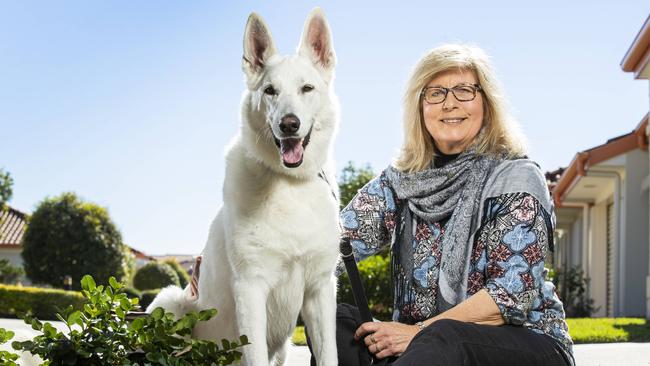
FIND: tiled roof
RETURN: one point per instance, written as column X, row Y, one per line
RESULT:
column 12, row 227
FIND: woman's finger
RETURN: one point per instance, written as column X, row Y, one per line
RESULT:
column 365, row 328
column 381, row 350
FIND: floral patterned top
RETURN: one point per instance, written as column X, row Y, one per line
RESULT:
column 507, row 258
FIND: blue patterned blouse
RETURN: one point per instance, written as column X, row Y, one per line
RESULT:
column 507, row 258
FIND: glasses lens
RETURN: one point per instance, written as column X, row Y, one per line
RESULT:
column 464, row 93
column 434, row 95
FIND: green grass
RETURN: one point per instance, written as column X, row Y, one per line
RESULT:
column 582, row 330
column 604, row 330
column 299, row 336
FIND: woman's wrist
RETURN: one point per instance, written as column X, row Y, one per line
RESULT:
column 420, row 326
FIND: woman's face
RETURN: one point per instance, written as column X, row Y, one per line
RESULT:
column 453, row 124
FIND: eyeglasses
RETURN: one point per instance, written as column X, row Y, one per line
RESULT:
column 462, row 93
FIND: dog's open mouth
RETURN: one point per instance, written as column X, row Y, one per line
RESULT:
column 292, row 150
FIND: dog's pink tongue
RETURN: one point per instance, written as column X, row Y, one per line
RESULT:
column 291, row 150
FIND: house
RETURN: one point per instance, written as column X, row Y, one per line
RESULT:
column 637, row 61
column 602, row 205
column 185, row 260
column 602, row 208
column 12, row 228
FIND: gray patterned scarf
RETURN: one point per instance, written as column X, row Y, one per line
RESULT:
column 452, row 191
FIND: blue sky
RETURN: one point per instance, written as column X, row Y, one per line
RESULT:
column 130, row 104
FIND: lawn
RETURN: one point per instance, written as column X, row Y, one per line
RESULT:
column 582, row 330
column 299, row 336
column 603, row 330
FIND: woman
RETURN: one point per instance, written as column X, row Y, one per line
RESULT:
column 469, row 222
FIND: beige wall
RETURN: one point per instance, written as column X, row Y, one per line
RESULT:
column 598, row 258
column 13, row 255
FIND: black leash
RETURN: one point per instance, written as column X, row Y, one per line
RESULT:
column 358, row 292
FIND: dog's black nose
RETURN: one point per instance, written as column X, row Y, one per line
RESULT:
column 289, row 124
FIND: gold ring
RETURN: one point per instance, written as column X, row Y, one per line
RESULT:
column 377, row 348
column 372, row 339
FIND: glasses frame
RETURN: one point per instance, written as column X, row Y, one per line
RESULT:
column 476, row 87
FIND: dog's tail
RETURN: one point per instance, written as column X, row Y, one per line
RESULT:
column 175, row 300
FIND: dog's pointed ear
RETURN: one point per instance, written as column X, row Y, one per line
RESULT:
column 258, row 46
column 316, row 42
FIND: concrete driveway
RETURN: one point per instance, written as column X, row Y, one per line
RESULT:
column 598, row 354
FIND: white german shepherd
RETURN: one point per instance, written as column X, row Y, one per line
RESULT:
column 273, row 246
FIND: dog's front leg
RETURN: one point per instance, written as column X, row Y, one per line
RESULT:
column 319, row 315
column 250, row 299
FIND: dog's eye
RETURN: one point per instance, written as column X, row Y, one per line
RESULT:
column 307, row 88
column 269, row 90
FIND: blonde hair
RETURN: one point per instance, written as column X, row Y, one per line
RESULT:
column 500, row 133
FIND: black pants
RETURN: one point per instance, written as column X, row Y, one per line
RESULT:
column 451, row 342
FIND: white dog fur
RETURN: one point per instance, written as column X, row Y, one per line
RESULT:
column 273, row 246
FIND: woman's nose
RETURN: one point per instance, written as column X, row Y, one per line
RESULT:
column 449, row 103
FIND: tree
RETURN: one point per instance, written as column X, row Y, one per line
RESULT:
column 9, row 274
column 352, row 179
column 6, row 182
column 67, row 236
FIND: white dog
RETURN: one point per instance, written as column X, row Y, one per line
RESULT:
column 273, row 246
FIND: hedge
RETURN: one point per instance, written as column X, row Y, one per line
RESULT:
column 183, row 276
column 154, row 275
column 16, row 301
column 375, row 274
column 147, row 298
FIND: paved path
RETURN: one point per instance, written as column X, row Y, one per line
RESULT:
column 598, row 354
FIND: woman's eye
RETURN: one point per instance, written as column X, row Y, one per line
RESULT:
column 307, row 88
column 269, row 90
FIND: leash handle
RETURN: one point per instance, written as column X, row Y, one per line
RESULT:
column 358, row 292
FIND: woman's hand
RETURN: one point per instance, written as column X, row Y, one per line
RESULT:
column 386, row 338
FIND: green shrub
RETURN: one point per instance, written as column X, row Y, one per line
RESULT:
column 9, row 274
column 129, row 265
column 572, row 287
column 183, row 276
column 100, row 334
column 7, row 358
column 155, row 275
column 147, row 297
column 44, row 303
column 375, row 275
column 351, row 180
column 132, row 293
column 69, row 237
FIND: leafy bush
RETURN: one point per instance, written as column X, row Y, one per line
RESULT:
column 129, row 265
column 132, row 293
column 100, row 334
column 375, row 275
column 155, row 275
column 9, row 274
column 7, row 358
column 147, row 297
column 6, row 182
column 351, row 180
column 572, row 287
column 44, row 303
column 79, row 235
column 183, row 276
